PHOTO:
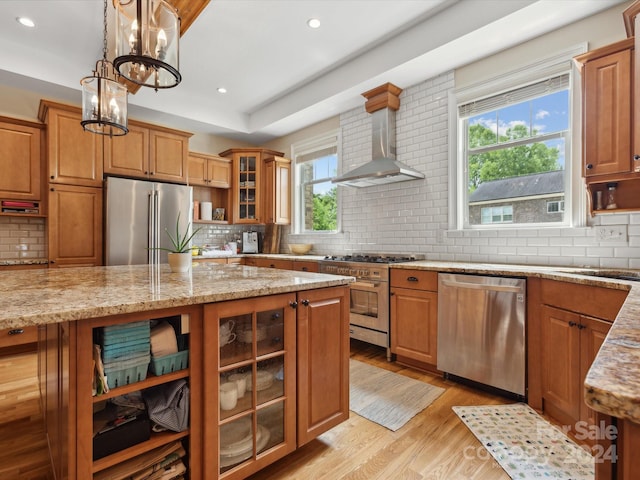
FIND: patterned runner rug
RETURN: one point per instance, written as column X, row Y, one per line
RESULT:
column 387, row 398
column 526, row 445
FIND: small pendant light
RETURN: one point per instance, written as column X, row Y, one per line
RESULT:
column 147, row 41
column 104, row 99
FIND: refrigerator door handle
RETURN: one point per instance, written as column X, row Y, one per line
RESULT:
column 151, row 244
column 156, row 230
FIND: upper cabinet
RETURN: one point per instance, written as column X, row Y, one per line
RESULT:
column 610, row 137
column 20, row 160
column 209, row 170
column 247, row 187
column 149, row 152
column 606, row 115
column 74, row 156
column 277, row 190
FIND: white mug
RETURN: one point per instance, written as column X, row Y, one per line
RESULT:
column 227, row 327
column 226, row 338
column 241, row 383
column 228, row 396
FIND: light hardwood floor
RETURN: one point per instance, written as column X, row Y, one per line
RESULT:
column 432, row 445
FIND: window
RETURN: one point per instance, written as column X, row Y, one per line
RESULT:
column 555, row 206
column 497, row 214
column 316, row 198
column 512, row 150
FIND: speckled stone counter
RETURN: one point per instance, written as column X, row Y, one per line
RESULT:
column 37, row 297
column 23, row 261
column 612, row 385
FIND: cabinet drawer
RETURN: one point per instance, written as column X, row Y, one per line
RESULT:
column 414, row 279
column 590, row 300
column 11, row 337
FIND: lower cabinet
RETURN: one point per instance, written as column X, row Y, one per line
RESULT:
column 323, row 361
column 414, row 317
column 250, row 384
column 567, row 324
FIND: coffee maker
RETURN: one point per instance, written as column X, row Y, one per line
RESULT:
column 249, row 242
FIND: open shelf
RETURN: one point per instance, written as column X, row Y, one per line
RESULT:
column 151, row 381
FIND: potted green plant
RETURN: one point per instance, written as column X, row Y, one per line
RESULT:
column 180, row 251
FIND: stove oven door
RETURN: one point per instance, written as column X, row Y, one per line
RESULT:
column 370, row 305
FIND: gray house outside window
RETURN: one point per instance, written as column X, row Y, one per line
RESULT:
column 525, row 198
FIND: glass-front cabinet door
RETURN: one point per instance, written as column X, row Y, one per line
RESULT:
column 250, row 404
column 248, row 187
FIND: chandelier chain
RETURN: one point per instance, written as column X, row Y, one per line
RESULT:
column 104, row 41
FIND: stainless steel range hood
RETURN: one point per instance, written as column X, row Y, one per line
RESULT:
column 383, row 168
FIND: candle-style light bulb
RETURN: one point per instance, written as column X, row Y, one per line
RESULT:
column 133, row 38
column 114, row 110
column 161, row 44
column 94, row 106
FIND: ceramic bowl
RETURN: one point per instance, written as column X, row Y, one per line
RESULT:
column 300, row 248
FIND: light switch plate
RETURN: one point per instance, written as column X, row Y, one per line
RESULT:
column 611, row 233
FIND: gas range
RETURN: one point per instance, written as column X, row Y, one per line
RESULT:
column 366, row 266
column 369, row 304
column 374, row 258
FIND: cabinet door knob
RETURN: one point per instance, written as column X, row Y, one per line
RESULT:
column 52, row 189
column 53, row 177
column 636, row 157
column 305, row 302
column 589, row 166
column 304, row 269
column 293, row 304
column 572, row 324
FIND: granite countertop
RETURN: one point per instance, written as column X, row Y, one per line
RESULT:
column 51, row 295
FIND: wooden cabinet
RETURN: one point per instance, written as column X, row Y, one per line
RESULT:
column 566, row 325
column 247, row 184
column 277, row 190
column 70, row 403
column 209, row 170
column 305, row 266
column 414, row 317
column 607, row 80
column 611, row 140
column 570, row 343
column 149, row 152
column 283, row 263
column 323, row 361
column 74, row 156
column 250, row 394
column 75, row 226
column 13, row 340
column 20, row 160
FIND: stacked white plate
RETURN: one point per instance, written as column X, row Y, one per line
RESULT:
column 236, row 441
column 264, row 380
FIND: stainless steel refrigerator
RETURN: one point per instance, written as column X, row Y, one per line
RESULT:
column 137, row 214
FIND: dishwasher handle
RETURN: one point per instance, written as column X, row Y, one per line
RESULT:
column 482, row 286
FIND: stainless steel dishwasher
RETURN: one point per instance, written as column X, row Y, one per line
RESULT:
column 481, row 329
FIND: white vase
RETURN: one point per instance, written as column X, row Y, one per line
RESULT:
column 180, row 262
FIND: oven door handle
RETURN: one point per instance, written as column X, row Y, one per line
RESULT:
column 360, row 285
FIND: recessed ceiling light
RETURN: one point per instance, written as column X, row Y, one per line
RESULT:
column 27, row 22
column 222, row 90
column 313, row 23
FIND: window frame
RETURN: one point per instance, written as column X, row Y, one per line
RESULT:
column 306, row 147
column 575, row 199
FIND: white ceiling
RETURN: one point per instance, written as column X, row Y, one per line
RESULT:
column 281, row 76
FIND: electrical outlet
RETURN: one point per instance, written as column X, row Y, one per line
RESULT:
column 611, row 233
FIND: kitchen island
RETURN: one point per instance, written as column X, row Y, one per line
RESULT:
column 304, row 315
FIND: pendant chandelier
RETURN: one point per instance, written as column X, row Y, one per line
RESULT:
column 147, row 41
column 104, row 99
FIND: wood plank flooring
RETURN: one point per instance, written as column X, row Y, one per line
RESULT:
column 23, row 445
column 433, row 445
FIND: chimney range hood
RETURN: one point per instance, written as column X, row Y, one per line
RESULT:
column 382, row 103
